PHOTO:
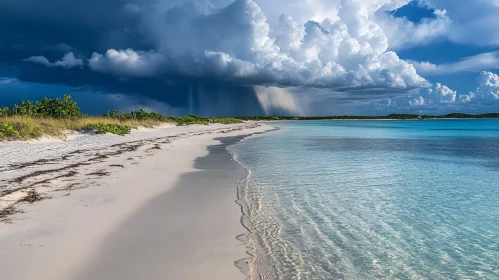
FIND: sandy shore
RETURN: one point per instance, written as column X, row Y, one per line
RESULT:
column 158, row 204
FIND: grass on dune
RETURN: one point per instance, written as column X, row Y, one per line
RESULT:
column 24, row 127
column 53, row 117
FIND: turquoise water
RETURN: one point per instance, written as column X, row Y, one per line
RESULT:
column 374, row 200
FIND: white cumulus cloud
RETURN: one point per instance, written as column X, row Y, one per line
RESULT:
column 487, row 92
column 441, row 98
column 437, row 95
column 403, row 33
column 127, row 62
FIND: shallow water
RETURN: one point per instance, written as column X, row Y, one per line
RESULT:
column 374, row 199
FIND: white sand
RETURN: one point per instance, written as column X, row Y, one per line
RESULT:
column 137, row 206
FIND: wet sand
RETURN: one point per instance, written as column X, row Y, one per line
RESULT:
column 186, row 233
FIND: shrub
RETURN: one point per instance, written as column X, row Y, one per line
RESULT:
column 5, row 112
column 192, row 119
column 55, row 108
column 7, row 131
column 118, row 129
column 141, row 115
column 20, row 130
column 64, row 108
column 26, row 108
column 113, row 114
column 225, row 120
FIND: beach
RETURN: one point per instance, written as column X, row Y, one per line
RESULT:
column 157, row 204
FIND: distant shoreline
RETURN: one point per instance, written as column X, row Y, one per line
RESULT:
column 433, row 119
column 453, row 116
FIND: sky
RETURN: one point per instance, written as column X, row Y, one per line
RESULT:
column 254, row 57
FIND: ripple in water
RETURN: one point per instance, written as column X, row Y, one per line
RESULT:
column 362, row 200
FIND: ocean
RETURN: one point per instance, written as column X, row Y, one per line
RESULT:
column 373, row 199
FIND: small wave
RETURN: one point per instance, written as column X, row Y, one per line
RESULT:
column 248, row 266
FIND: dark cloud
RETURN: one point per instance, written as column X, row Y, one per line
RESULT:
column 182, row 93
column 52, row 27
column 31, row 29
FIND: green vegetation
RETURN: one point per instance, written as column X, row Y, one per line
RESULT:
column 53, row 117
column 118, row 129
column 47, row 108
column 143, row 115
column 8, row 131
column 19, row 130
column 194, row 119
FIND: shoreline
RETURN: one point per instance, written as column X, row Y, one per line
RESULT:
column 247, row 265
column 61, row 237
